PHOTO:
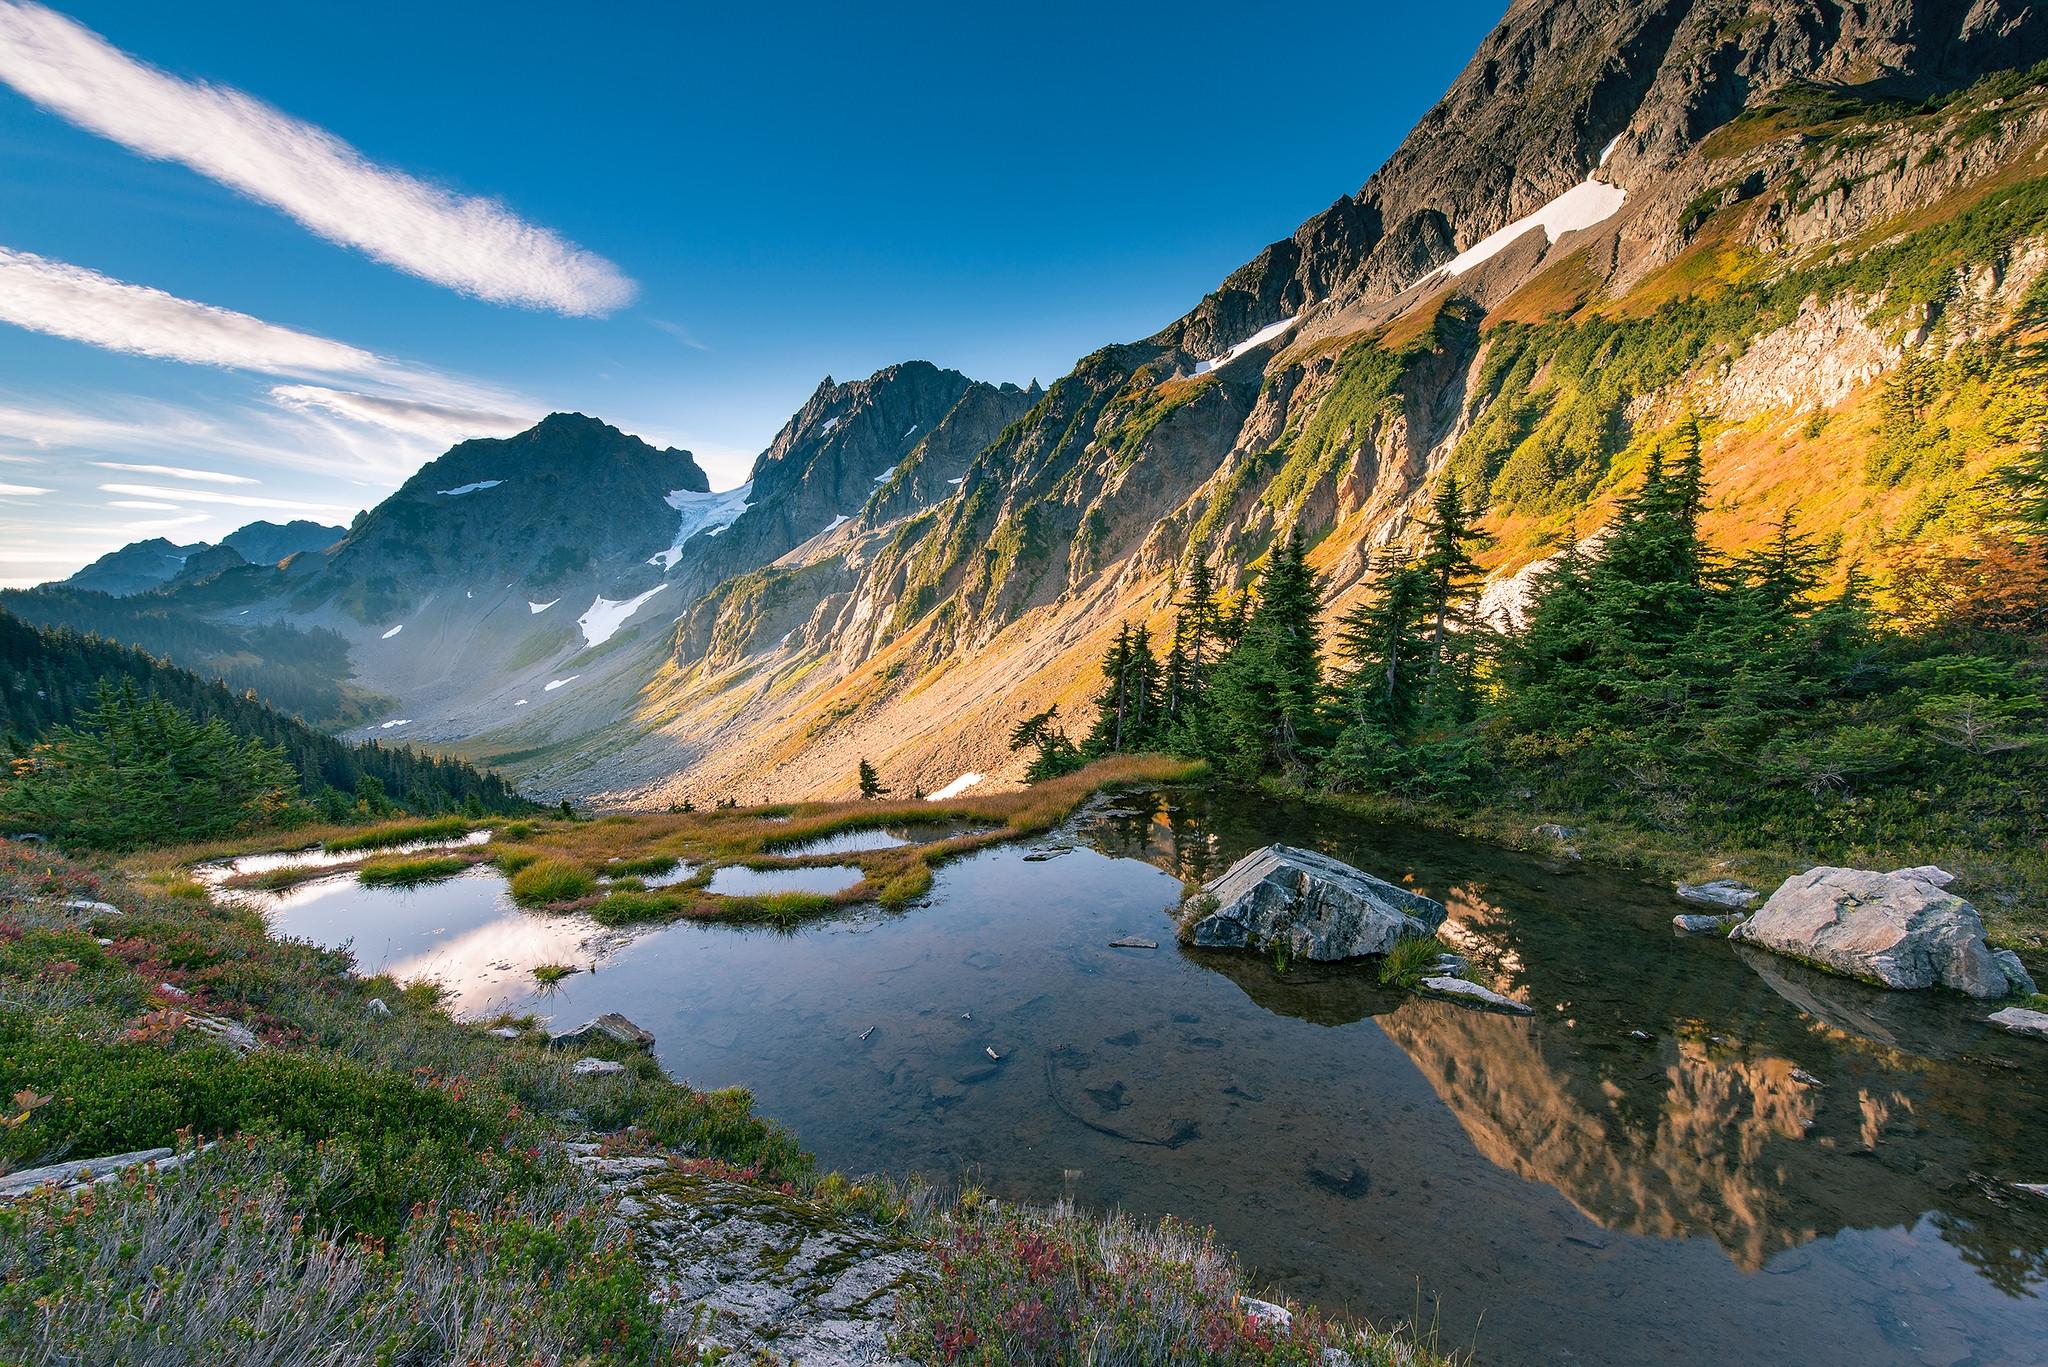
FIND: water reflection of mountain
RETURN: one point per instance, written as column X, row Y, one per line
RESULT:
column 1704, row 1127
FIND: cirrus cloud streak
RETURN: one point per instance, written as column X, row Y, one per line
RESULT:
column 472, row 245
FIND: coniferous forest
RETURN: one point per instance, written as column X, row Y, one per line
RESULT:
column 56, row 682
column 1769, row 698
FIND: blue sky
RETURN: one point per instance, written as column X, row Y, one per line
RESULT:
column 431, row 220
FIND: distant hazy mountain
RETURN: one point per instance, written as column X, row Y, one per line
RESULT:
column 141, row 566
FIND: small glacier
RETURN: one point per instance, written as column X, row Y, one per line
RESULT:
column 706, row 513
column 1257, row 339
column 538, row 608
column 459, row 490
column 552, row 684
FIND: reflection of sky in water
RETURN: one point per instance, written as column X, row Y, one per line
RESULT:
column 463, row 932
column 875, row 838
column 1579, row 1195
column 319, row 859
column 734, row 881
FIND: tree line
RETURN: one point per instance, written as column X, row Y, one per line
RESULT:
column 52, row 684
column 1657, row 679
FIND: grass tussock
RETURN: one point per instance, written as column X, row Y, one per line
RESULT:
column 551, row 975
column 547, row 881
column 1410, row 961
column 406, row 872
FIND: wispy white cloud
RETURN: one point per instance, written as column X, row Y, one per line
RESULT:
column 21, row 490
column 443, row 422
column 177, row 472
column 142, row 504
column 85, row 306
column 215, row 496
column 470, row 244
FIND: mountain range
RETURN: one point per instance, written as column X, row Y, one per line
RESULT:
column 1771, row 217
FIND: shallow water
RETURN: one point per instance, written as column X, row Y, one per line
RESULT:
column 734, row 881
column 875, row 838
column 1552, row 1190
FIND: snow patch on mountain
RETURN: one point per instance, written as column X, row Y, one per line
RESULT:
column 1257, row 339
column 538, row 608
column 956, row 787
column 393, row 632
column 885, row 474
column 552, row 684
column 836, row 521
column 400, row 721
column 1585, row 204
column 709, row 514
column 605, row 616
column 459, row 490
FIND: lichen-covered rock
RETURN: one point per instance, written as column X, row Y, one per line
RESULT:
column 611, row 1025
column 596, row 1067
column 1306, row 904
column 1899, row 929
column 2016, row 975
column 760, row 1274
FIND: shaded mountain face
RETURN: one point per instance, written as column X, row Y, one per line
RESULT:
column 266, row 543
column 568, row 499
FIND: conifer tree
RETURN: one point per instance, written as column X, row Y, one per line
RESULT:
column 870, row 781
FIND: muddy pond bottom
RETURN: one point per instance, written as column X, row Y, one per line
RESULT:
column 1693, row 1152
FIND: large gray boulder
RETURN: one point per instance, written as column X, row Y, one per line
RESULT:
column 1899, row 929
column 1307, row 904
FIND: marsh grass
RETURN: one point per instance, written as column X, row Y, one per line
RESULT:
column 1410, row 961
column 551, row 975
column 405, row 872
column 547, row 881
column 399, row 833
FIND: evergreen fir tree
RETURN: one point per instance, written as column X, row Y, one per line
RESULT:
column 870, row 781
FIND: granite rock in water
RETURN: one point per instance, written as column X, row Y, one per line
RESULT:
column 2020, row 1021
column 1721, row 892
column 1899, row 930
column 1462, row 989
column 1695, row 924
column 1307, row 904
column 2016, row 975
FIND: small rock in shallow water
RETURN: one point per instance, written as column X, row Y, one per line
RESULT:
column 1133, row 942
column 2037, row 1188
column 2020, row 1021
column 1898, row 930
column 589, row 1067
column 1720, row 892
column 1700, row 924
column 1640, row 1035
column 1462, row 990
column 1307, row 904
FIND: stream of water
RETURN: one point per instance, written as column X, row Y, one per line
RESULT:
column 1641, row 1172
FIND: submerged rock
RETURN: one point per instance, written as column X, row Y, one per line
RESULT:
column 2020, row 1021
column 1307, row 904
column 1465, row 990
column 1697, row 923
column 1899, row 930
column 1720, row 892
column 611, row 1025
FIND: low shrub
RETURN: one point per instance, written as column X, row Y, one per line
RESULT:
column 551, row 880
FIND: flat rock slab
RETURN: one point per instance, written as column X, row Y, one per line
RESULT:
column 1461, row 989
column 1133, row 942
column 1309, row 905
column 780, row 1278
column 1699, row 924
column 2020, row 1021
column 1721, row 892
column 1900, row 929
